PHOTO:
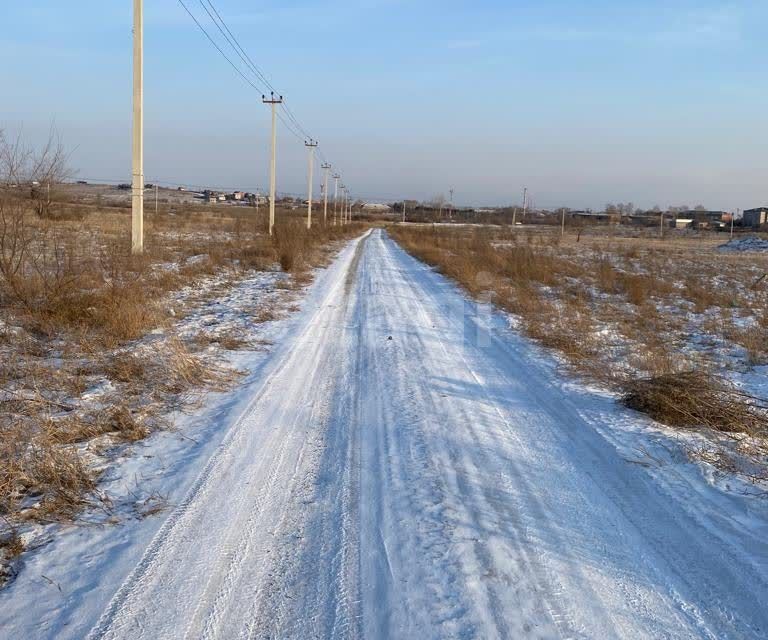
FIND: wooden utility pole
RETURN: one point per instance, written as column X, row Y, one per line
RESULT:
column 273, row 102
column 327, row 168
column 137, row 172
column 311, row 145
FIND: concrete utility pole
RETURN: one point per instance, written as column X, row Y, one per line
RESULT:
column 450, row 202
column 343, row 202
column 514, row 216
column 137, row 173
column 525, row 202
column 327, row 168
column 661, row 224
column 403, row 211
column 562, row 224
column 311, row 146
column 273, row 102
column 157, row 199
column 336, row 177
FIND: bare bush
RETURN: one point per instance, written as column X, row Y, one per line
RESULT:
column 696, row 400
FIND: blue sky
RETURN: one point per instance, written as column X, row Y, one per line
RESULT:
column 585, row 103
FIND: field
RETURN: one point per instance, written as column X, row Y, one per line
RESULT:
column 99, row 348
column 678, row 326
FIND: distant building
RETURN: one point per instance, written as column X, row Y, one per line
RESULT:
column 707, row 219
column 373, row 207
column 755, row 217
column 238, row 195
column 604, row 216
column 682, row 223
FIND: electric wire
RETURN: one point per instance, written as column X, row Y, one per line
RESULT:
column 284, row 113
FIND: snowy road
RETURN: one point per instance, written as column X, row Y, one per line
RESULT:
column 409, row 468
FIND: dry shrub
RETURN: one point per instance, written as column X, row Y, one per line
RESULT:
column 36, row 467
column 121, row 420
column 697, row 399
column 12, row 545
column 126, row 367
column 755, row 342
column 636, row 287
column 82, row 304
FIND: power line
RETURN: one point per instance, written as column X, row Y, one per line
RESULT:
column 292, row 124
column 222, row 32
column 218, row 48
column 250, row 62
column 284, row 112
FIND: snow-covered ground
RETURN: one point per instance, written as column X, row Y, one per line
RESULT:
column 750, row 243
column 402, row 464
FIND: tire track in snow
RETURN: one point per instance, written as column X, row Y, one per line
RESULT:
column 144, row 607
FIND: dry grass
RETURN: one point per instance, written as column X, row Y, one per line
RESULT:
column 696, row 399
column 625, row 311
column 75, row 312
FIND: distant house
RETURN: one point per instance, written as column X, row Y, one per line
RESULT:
column 707, row 219
column 682, row 223
column 374, row 207
column 755, row 217
column 593, row 216
column 238, row 195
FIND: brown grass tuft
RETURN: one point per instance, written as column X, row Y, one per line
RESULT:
column 695, row 400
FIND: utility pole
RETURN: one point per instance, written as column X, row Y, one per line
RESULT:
column 326, row 167
column 343, row 202
column 403, row 211
column 156, row 199
column 336, row 177
column 311, row 146
column 525, row 202
column 450, row 208
column 661, row 224
column 273, row 102
column 562, row 224
column 514, row 216
column 137, row 177
column 733, row 217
